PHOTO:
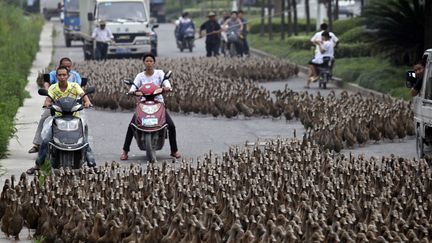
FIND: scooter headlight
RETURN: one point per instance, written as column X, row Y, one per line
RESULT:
column 65, row 125
column 76, row 108
column 150, row 109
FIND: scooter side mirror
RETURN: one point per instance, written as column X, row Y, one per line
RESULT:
column 43, row 92
column 128, row 82
column 84, row 82
column 46, row 77
column 167, row 74
column 90, row 90
column 410, row 79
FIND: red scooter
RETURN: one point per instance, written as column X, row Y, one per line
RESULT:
column 150, row 128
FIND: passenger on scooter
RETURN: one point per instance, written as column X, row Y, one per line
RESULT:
column 234, row 27
column 156, row 76
column 326, row 48
column 59, row 90
column 74, row 77
column 186, row 25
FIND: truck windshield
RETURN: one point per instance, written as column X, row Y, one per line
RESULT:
column 117, row 11
column 71, row 6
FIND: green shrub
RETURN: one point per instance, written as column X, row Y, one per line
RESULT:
column 299, row 42
column 355, row 35
column 382, row 79
column 276, row 23
column 344, row 25
column 19, row 38
column 353, row 50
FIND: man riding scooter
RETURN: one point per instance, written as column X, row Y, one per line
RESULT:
column 62, row 88
column 186, row 32
column 155, row 76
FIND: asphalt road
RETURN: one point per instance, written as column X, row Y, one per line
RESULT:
column 198, row 134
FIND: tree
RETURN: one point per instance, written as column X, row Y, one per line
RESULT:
column 329, row 15
column 336, row 10
column 294, row 8
column 399, row 28
column 270, row 22
column 262, row 18
column 307, row 16
column 283, row 20
column 290, row 25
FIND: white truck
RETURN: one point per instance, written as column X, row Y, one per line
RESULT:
column 128, row 20
column 50, row 8
column 423, row 107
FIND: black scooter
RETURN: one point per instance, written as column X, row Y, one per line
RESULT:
column 69, row 144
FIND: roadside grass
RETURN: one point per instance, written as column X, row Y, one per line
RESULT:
column 19, row 38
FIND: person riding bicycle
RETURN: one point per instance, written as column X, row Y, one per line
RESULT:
column 234, row 27
column 326, row 49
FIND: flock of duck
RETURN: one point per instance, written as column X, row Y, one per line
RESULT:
column 342, row 121
column 230, row 87
column 281, row 190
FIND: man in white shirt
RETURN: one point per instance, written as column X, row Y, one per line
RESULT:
column 103, row 36
column 316, row 39
column 326, row 49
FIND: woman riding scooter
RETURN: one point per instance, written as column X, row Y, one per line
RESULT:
column 156, row 76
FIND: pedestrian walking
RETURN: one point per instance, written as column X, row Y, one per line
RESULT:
column 103, row 36
column 213, row 35
column 245, row 32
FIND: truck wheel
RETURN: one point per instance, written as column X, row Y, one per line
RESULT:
column 419, row 144
column 154, row 51
column 68, row 41
column 150, row 152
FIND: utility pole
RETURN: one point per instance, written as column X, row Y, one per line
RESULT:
column 270, row 24
column 318, row 18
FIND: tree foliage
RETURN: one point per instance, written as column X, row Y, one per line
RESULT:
column 399, row 28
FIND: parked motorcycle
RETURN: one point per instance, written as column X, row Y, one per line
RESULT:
column 324, row 72
column 188, row 40
column 69, row 144
column 150, row 128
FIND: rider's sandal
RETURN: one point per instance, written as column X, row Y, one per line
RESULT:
column 32, row 170
column 176, row 155
column 34, row 149
column 124, row 156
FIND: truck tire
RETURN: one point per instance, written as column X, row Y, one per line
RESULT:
column 150, row 151
column 154, row 51
column 68, row 41
column 419, row 144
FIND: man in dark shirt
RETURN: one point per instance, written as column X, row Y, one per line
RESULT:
column 419, row 70
column 213, row 38
column 245, row 31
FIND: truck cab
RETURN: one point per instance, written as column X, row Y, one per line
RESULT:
column 129, row 22
column 423, row 108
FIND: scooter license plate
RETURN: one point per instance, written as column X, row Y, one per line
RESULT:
column 149, row 121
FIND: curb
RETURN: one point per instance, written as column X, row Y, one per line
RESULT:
column 28, row 115
column 338, row 81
